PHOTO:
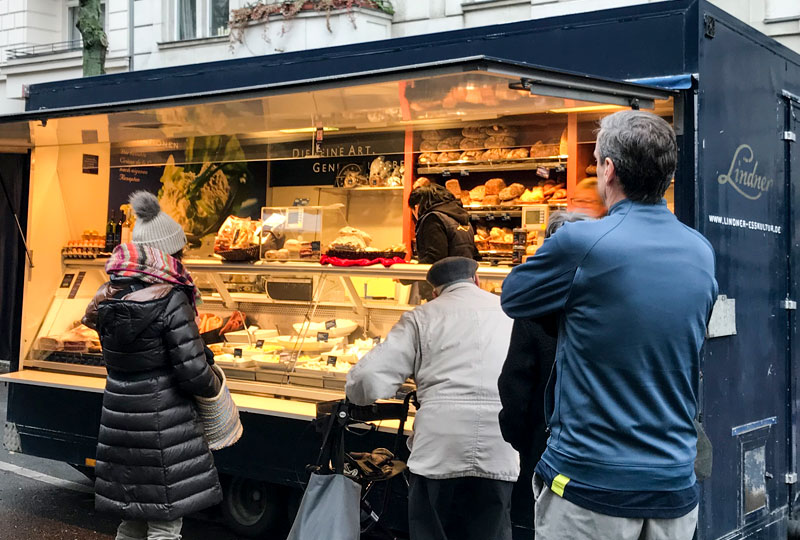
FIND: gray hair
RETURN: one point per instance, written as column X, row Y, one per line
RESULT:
column 557, row 219
column 644, row 151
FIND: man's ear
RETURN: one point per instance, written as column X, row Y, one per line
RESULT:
column 611, row 170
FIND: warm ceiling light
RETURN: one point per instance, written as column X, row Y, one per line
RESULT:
column 307, row 130
column 591, row 108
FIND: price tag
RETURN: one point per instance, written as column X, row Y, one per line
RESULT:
column 330, row 324
column 376, row 340
column 260, row 344
column 316, row 245
column 66, row 281
column 332, row 360
column 322, row 336
column 237, row 353
column 544, row 172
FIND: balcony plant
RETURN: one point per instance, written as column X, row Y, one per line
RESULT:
column 262, row 11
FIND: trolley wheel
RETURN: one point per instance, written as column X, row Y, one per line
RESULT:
column 252, row 507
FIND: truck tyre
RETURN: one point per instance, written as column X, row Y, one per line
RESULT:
column 252, row 508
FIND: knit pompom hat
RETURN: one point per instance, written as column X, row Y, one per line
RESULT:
column 153, row 227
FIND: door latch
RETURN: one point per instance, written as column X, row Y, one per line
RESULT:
column 788, row 304
column 790, row 136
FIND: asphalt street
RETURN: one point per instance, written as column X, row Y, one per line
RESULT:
column 46, row 500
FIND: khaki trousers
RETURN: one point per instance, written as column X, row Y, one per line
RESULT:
column 558, row 519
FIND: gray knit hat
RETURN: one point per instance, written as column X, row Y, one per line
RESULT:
column 153, row 227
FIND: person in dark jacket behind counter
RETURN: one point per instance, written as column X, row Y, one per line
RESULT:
column 527, row 371
column 442, row 230
column 153, row 462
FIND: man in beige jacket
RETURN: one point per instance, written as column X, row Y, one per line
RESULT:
column 454, row 346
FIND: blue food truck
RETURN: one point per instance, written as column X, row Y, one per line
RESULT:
column 731, row 93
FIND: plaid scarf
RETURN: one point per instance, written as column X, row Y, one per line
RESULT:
column 151, row 266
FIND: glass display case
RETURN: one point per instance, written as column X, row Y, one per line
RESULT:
column 298, row 338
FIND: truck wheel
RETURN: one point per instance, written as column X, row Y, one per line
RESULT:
column 251, row 507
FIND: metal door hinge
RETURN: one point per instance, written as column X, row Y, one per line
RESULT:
column 790, row 478
column 709, row 26
column 790, row 136
column 788, row 304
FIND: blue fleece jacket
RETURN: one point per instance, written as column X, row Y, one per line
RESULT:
column 635, row 290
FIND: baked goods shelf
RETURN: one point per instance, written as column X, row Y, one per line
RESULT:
column 493, row 166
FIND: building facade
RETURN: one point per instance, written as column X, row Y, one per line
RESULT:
column 39, row 41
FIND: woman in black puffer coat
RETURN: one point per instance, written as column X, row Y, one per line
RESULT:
column 153, row 462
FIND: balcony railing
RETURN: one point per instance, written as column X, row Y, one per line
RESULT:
column 29, row 51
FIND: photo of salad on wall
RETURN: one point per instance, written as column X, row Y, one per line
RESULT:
column 199, row 182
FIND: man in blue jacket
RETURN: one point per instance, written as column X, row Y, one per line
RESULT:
column 633, row 292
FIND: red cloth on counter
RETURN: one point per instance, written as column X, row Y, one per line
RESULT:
column 335, row 261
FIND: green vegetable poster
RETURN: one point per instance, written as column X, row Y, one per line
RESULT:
column 199, row 181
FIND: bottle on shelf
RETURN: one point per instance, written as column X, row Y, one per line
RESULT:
column 118, row 230
column 127, row 226
column 111, row 227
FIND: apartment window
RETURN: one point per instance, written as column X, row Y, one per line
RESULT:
column 73, row 34
column 201, row 18
column 776, row 10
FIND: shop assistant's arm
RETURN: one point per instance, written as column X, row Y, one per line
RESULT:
column 541, row 285
column 431, row 240
column 385, row 368
column 186, row 349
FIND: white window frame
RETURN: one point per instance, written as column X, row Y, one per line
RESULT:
column 202, row 20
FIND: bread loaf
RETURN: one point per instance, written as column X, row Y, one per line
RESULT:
column 491, row 200
column 499, row 141
column 447, row 157
column 511, row 192
column 470, row 155
column 453, row 187
column 516, row 153
column 500, row 129
column 450, row 143
column 540, row 150
column 474, row 132
column 471, row 144
column 427, row 158
column 434, row 135
column 478, row 193
column 428, row 146
column 494, row 186
column 493, row 154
